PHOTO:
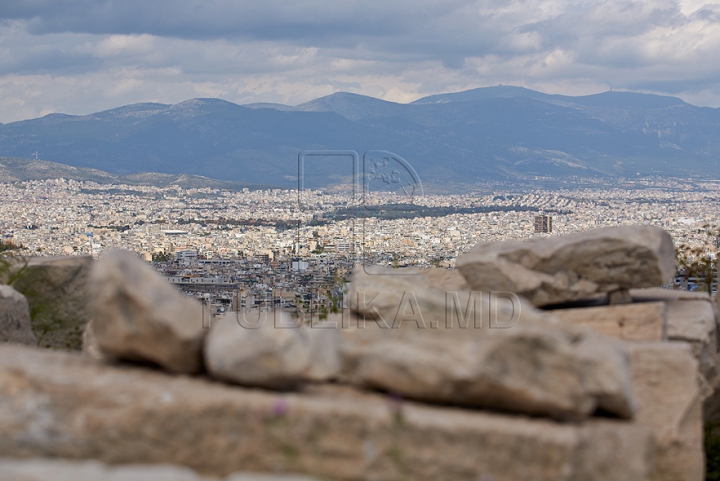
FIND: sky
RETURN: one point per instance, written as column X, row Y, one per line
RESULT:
column 84, row 56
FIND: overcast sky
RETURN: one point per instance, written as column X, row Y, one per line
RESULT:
column 82, row 56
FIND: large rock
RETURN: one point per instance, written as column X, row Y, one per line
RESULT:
column 416, row 340
column 575, row 266
column 15, row 324
column 664, row 314
column 42, row 469
column 666, row 381
column 63, row 405
column 431, row 297
column 670, row 405
column 138, row 316
column 57, row 292
column 692, row 318
column 271, row 354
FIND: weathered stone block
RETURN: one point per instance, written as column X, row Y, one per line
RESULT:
column 64, row 405
column 692, row 318
column 431, row 297
column 15, row 324
column 57, row 291
column 419, row 341
column 139, row 316
column 670, row 405
column 271, row 354
column 665, row 377
column 575, row 266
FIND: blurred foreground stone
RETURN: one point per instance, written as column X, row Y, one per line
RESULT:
column 670, row 405
column 671, row 380
column 264, row 354
column 565, row 268
column 41, row 469
column 57, row 292
column 63, row 405
column 15, row 324
column 422, row 342
column 664, row 314
column 138, row 316
column 692, row 318
column 625, row 386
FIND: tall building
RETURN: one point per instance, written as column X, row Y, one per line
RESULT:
column 543, row 224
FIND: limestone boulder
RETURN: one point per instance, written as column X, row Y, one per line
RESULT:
column 15, row 324
column 558, row 269
column 664, row 314
column 63, row 405
column 325, row 341
column 139, row 316
column 524, row 370
column 692, row 318
column 606, row 374
column 430, row 297
column 57, row 291
column 665, row 375
column 670, row 405
column 271, row 354
column 409, row 337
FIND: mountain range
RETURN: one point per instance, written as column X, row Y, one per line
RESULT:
column 495, row 133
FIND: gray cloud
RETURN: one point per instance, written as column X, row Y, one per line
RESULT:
column 199, row 19
column 83, row 55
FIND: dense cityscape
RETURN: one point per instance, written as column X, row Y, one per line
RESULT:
column 256, row 248
column 359, row 241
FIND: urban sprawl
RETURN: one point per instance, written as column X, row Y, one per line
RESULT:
column 262, row 249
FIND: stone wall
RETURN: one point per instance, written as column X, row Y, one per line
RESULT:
column 552, row 359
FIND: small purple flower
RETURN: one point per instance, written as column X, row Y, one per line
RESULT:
column 280, row 408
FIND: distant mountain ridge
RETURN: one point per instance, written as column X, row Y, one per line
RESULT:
column 458, row 138
column 610, row 98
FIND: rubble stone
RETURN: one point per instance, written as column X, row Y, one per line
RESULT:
column 575, row 266
column 416, row 340
column 432, row 297
column 138, row 316
column 692, row 318
column 64, row 405
column 271, row 354
column 670, row 405
column 57, row 291
column 15, row 324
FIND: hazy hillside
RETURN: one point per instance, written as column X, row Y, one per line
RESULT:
column 17, row 169
column 465, row 137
